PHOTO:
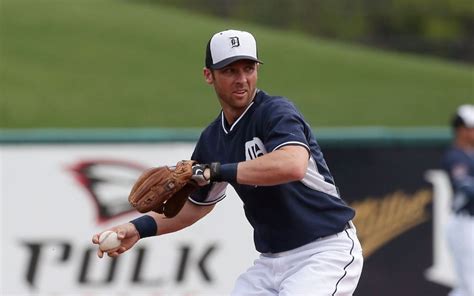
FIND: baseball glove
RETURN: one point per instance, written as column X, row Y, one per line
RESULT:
column 163, row 189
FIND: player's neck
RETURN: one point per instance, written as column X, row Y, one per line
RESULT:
column 231, row 115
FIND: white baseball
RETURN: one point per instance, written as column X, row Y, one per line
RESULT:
column 108, row 240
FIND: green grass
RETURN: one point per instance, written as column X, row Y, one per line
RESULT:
column 117, row 63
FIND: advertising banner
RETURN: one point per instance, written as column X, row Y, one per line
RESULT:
column 54, row 197
column 395, row 190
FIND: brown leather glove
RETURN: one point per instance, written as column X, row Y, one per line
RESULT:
column 163, row 189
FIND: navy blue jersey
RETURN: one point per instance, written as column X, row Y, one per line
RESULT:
column 460, row 167
column 284, row 216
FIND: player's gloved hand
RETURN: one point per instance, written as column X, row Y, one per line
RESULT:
column 201, row 174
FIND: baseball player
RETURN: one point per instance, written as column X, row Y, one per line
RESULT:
column 262, row 146
column 458, row 161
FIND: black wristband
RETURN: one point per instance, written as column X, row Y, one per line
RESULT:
column 224, row 172
column 145, row 225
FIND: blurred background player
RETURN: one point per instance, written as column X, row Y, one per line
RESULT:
column 458, row 162
column 262, row 146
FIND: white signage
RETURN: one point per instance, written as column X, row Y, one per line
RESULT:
column 55, row 197
column 442, row 270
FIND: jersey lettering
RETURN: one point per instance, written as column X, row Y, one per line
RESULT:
column 254, row 148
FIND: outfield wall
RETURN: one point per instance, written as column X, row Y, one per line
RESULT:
column 58, row 187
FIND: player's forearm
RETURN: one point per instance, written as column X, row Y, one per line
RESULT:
column 281, row 166
column 153, row 224
column 188, row 215
column 284, row 165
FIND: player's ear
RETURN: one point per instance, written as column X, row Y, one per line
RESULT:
column 208, row 76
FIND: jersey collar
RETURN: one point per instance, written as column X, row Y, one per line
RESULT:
column 235, row 122
column 238, row 119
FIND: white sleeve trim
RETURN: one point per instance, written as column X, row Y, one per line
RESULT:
column 215, row 194
column 292, row 143
column 207, row 203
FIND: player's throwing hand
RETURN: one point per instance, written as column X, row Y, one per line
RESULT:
column 126, row 233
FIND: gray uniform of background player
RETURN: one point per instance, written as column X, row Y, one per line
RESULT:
column 458, row 162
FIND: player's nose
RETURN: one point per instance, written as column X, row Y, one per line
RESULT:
column 240, row 76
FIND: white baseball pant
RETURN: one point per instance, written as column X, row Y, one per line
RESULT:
column 330, row 265
column 460, row 236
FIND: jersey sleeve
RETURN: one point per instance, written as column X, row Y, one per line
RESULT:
column 284, row 125
column 210, row 194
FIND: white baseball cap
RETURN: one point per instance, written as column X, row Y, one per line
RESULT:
column 229, row 46
column 464, row 116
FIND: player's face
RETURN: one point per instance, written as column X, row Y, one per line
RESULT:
column 235, row 85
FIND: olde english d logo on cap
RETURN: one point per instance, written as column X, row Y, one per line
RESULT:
column 234, row 42
column 229, row 46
